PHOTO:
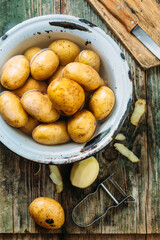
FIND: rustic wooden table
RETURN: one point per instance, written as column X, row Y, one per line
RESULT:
column 19, row 186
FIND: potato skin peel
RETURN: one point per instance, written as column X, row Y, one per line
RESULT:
column 126, row 152
column 139, row 110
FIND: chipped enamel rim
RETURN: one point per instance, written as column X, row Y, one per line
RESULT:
column 82, row 31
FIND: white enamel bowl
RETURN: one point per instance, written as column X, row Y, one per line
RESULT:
column 41, row 31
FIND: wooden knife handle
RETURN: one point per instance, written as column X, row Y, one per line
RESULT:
column 118, row 12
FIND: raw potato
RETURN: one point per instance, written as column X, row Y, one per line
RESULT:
column 83, row 74
column 66, row 50
column 15, row 72
column 56, row 177
column 90, row 58
column 47, row 213
column 102, row 102
column 126, row 152
column 58, row 74
column 31, row 52
column 66, row 95
column 31, row 84
column 84, row 173
column 81, row 126
column 51, row 134
column 44, row 64
column 120, row 137
column 39, row 106
column 30, row 125
column 12, row 111
column 138, row 111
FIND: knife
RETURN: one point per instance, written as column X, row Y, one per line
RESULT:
column 131, row 25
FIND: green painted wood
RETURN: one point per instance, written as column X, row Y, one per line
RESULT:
column 19, row 186
column 153, row 132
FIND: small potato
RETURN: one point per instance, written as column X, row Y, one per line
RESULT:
column 66, row 95
column 31, row 52
column 90, row 58
column 44, row 64
column 83, row 74
column 31, row 84
column 11, row 110
column 47, row 212
column 15, row 72
column 51, row 134
column 102, row 102
column 66, row 50
column 81, row 126
column 84, row 173
column 39, row 106
column 30, row 125
column 57, row 74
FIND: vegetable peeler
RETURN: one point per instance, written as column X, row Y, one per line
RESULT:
column 117, row 203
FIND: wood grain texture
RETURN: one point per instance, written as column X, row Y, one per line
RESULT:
column 153, row 123
column 119, row 13
column 147, row 19
column 76, row 237
column 131, row 219
column 19, row 186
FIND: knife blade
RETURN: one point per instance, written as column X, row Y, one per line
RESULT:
column 131, row 25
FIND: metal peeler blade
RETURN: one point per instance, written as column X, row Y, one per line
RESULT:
column 117, row 203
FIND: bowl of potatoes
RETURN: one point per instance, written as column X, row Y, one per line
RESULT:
column 65, row 89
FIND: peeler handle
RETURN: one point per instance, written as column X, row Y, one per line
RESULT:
column 118, row 12
column 107, row 191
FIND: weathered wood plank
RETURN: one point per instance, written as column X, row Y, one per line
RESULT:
column 131, row 176
column 19, row 185
column 148, row 21
column 153, row 237
column 106, row 237
column 153, row 123
column 75, row 237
